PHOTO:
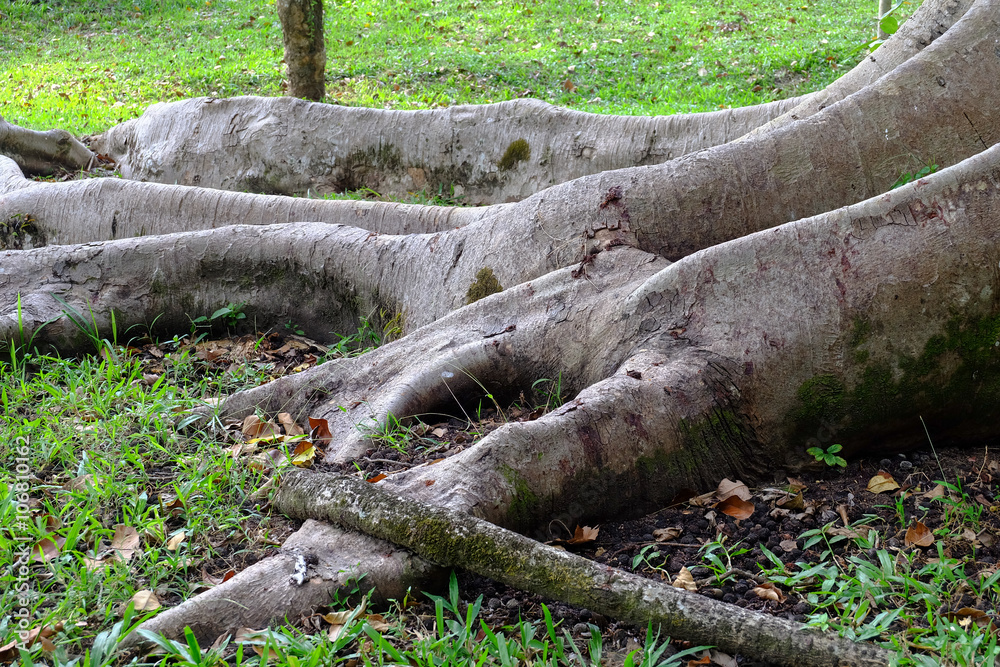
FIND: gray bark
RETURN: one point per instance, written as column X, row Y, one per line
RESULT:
column 305, row 47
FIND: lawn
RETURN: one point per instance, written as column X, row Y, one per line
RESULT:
column 85, row 65
column 130, row 505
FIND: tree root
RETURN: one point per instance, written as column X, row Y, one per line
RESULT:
column 453, row 539
column 43, row 153
column 316, row 565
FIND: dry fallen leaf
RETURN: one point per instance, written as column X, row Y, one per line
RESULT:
column 377, row 478
column 793, row 502
column 937, row 492
column 255, row 427
column 666, row 534
column 736, row 508
column 145, row 601
column 9, row 652
column 377, row 621
column 882, row 482
column 46, row 549
column 319, row 432
column 919, row 535
column 583, row 535
column 175, row 541
column 703, row 660
column 685, row 580
column 788, row 545
column 728, row 488
column 768, row 591
column 967, row 616
column 287, row 423
column 439, row 432
column 215, row 581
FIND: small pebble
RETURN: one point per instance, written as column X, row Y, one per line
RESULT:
column 581, row 629
column 512, row 604
column 905, row 465
column 494, row 603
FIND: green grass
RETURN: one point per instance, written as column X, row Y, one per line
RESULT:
column 85, row 65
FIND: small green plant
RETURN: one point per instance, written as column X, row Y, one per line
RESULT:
column 392, row 432
column 915, row 176
column 229, row 315
column 720, row 558
column 828, row 455
column 294, row 328
column 551, row 391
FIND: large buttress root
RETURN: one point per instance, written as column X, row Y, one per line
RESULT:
column 484, row 154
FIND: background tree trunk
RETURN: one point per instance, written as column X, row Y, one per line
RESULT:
column 305, row 47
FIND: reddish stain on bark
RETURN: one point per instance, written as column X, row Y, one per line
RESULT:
column 592, row 446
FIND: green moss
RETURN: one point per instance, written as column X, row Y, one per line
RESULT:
column 485, row 284
column 518, row 151
column 524, row 506
column 962, row 362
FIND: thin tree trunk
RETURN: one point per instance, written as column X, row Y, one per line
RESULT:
column 305, row 47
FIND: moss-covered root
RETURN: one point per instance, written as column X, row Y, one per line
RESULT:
column 453, row 539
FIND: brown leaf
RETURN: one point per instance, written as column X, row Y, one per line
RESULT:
column 736, row 508
column 728, row 488
column 255, row 427
column 788, row 545
column 795, row 502
column 703, row 660
column 319, row 432
column 666, row 534
column 212, row 580
column 175, row 541
column 377, row 478
column 768, row 591
column 937, row 492
column 145, row 601
column 918, row 534
column 9, row 652
column 795, row 485
column 568, row 86
column 439, row 432
column 882, row 482
column 685, row 580
column 378, row 623
column 337, row 617
column 287, row 423
column 47, row 548
column 583, row 535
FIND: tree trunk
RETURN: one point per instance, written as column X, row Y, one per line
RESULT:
column 305, row 47
column 712, row 314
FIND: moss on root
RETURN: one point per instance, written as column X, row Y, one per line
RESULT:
column 485, row 284
column 518, row 151
column 962, row 361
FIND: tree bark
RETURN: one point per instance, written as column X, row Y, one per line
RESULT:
column 711, row 314
column 305, row 47
column 43, row 153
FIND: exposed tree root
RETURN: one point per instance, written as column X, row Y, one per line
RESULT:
column 316, row 564
column 43, row 152
column 454, row 539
